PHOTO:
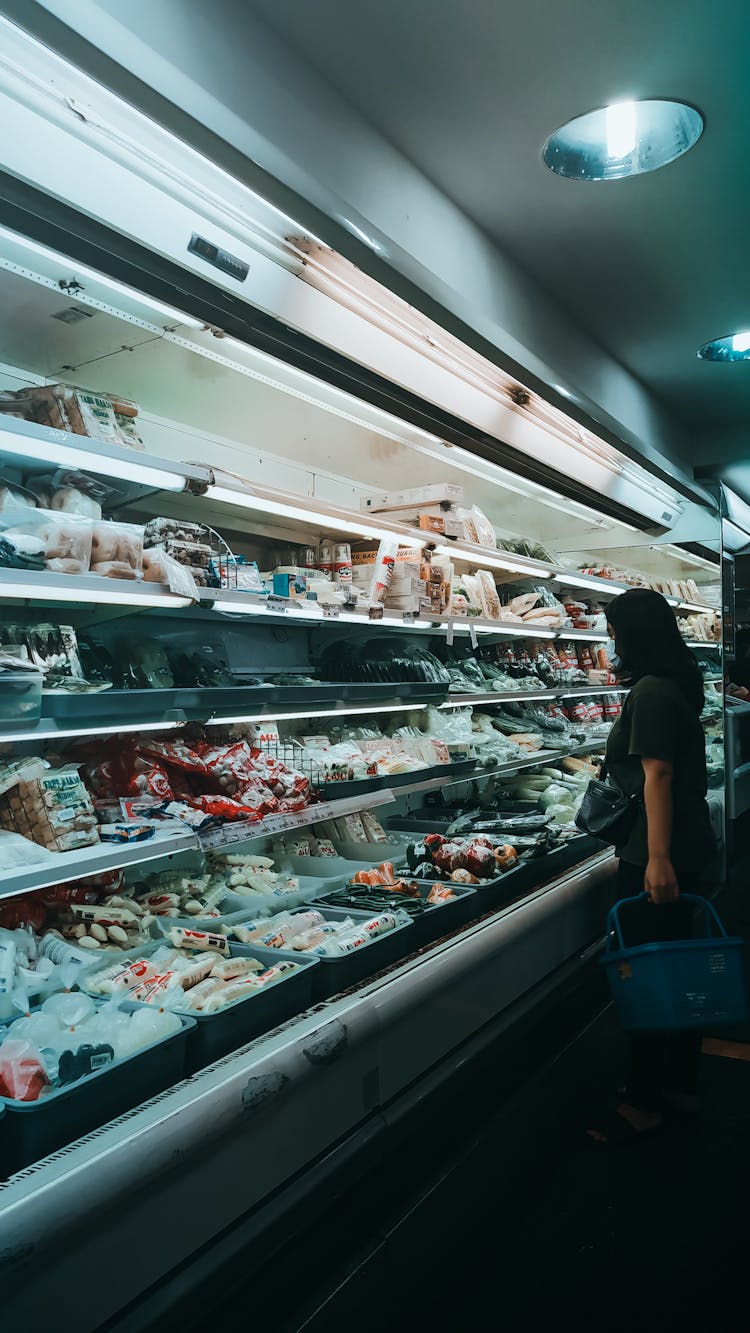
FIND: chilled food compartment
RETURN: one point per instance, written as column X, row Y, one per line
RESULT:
column 231, row 994
column 75, row 1064
column 349, row 946
column 435, row 909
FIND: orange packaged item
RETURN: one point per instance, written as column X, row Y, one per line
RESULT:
column 440, row 893
column 505, row 856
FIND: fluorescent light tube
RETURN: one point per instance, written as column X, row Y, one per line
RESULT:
column 121, row 288
column 482, row 701
column 314, row 615
column 595, row 689
column 480, row 557
column 583, row 635
column 593, row 584
column 48, row 592
column 325, row 712
column 6, row 737
column 697, row 606
column 519, row 631
column 318, row 517
column 70, row 455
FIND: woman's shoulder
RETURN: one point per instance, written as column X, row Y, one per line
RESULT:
column 657, row 686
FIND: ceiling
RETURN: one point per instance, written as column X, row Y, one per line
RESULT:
column 469, row 90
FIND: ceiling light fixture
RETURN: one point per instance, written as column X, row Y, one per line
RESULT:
column 732, row 347
column 626, row 138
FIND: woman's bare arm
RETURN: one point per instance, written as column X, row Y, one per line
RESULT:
column 660, row 881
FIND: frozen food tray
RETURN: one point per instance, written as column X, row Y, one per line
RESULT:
column 338, row 974
column 213, row 1035
column 331, row 870
column 310, row 886
column 436, row 920
column 492, row 893
column 31, row 1130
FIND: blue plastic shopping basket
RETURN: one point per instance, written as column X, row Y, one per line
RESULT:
column 677, row 985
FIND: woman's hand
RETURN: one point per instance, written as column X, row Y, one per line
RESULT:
column 660, row 881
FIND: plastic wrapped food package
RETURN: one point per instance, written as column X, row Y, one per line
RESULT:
column 72, row 492
column 62, row 542
column 54, row 810
column 13, row 496
column 117, row 550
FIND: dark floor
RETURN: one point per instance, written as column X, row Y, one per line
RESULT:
column 491, row 1208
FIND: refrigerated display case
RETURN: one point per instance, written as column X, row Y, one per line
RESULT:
column 322, row 659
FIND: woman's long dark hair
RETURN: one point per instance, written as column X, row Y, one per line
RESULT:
column 650, row 644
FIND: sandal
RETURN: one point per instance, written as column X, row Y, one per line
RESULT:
column 617, row 1130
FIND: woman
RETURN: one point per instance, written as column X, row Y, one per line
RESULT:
column 656, row 750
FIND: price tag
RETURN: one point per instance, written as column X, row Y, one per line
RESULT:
column 276, row 604
column 331, row 612
column 375, row 613
column 410, row 617
column 449, row 633
column 473, row 633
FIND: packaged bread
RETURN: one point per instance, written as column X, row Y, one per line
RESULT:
column 54, row 810
column 158, row 567
column 117, row 550
column 488, row 594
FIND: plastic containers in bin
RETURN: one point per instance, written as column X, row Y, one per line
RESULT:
column 32, row 1130
column 213, row 1035
column 433, row 921
column 338, row 974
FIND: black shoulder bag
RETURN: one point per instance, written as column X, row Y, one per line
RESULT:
column 606, row 812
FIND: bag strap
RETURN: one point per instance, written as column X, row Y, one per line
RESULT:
column 711, row 916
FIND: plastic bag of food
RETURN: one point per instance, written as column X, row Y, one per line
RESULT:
column 19, row 853
column 144, row 665
column 13, row 496
column 71, row 492
column 158, row 567
column 485, row 533
column 22, row 1076
column 488, row 594
column 62, row 542
column 117, row 550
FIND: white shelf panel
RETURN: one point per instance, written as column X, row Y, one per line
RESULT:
column 38, row 585
column 95, row 860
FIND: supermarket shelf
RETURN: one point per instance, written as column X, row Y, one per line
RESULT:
column 38, row 585
column 530, row 696
column 499, row 697
column 582, row 636
column 515, row 766
column 33, row 447
column 232, row 834
column 122, row 711
column 96, row 860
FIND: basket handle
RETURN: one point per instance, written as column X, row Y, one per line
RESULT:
column 712, row 916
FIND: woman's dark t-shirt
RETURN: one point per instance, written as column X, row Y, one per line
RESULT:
column 658, row 723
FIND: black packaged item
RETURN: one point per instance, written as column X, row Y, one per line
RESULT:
column 202, row 668
column 22, row 552
column 145, row 666
column 86, row 1060
column 98, row 664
